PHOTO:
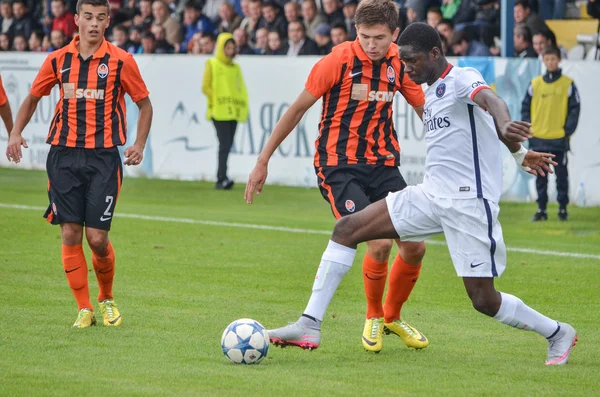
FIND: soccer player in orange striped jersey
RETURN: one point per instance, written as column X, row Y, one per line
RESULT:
column 5, row 112
column 84, row 165
column 356, row 163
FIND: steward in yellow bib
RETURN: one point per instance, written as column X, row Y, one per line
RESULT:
column 552, row 107
column 227, row 98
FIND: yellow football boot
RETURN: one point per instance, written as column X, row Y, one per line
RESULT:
column 112, row 316
column 409, row 335
column 85, row 319
column 372, row 338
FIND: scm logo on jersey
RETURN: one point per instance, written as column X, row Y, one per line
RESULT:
column 89, row 93
column 381, row 96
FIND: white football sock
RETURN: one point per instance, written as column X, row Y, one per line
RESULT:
column 517, row 314
column 335, row 263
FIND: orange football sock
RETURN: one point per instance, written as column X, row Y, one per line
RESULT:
column 403, row 278
column 76, row 271
column 104, row 266
column 374, row 276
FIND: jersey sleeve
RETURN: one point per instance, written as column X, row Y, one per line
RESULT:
column 323, row 76
column 45, row 79
column 412, row 92
column 132, row 80
column 3, row 98
column 467, row 84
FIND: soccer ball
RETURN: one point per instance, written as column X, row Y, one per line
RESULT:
column 245, row 341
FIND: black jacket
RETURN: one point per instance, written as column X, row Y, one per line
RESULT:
column 560, row 144
column 309, row 48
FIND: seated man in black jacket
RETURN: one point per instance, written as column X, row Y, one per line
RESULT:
column 298, row 43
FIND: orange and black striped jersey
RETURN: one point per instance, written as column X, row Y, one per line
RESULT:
column 91, row 110
column 3, row 98
column 357, row 118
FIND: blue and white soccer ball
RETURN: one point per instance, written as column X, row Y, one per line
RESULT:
column 245, row 341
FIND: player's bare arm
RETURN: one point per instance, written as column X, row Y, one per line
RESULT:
column 135, row 153
column 26, row 111
column 512, row 133
column 284, row 127
column 6, row 114
column 419, row 111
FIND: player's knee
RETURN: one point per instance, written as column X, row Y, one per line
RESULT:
column 71, row 234
column 380, row 249
column 484, row 303
column 413, row 253
column 343, row 232
column 98, row 243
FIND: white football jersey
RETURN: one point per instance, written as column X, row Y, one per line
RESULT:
column 463, row 150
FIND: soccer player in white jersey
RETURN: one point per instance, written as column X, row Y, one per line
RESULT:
column 465, row 122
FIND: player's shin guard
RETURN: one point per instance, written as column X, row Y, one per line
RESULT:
column 402, row 280
column 517, row 314
column 374, row 277
column 335, row 263
column 76, row 271
column 104, row 266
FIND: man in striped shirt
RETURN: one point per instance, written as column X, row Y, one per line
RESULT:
column 84, row 166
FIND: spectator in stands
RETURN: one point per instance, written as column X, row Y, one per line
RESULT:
column 434, row 16
column 23, row 23
column 523, row 43
column 332, row 12
column 339, row 34
column 194, row 22
column 552, row 106
column 63, row 19
column 229, row 20
column 135, row 40
column 275, row 45
column 465, row 13
column 445, row 28
column 546, row 38
column 212, row 8
column 349, row 10
column 449, row 8
column 35, row 41
column 20, row 43
column 323, row 38
column 462, row 45
column 162, row 45
column 207, row 43
column 415, row 10
column 311, row 17
column 5, row 44
column 148, row 43
column 144, row 18
column 241, row 42
column 552, row 9
column 161, row 13
column 243, row 8
column 291, row 11
column 272, row 20
column 194, row 47
column 57, row 40
column 262, row 41
column 523, row 14
column 120, row 38
column 223, row 76
column 6, row 17
column 298, row 43
column 252, row 21
column 487, row 21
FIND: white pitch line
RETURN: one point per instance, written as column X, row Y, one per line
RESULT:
column 290, row 230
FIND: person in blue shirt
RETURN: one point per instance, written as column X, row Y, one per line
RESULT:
column 194, row 22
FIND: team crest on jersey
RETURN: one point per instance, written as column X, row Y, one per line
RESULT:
column 102, row 70
column 350, row 206
column 391, row 74
column 441, row 90
column 54, row 209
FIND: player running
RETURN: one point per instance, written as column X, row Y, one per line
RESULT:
column 357, row 161
column 84, row 166
column 458, row 197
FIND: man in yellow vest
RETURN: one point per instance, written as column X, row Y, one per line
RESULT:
column 227, row 98
column 552, row 106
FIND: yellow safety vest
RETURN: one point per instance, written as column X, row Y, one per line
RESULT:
column 549, row 107
column 229, row 95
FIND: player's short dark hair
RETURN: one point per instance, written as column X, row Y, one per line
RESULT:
column 523, row 3
column 377, row 12
column 523, row 30
column 435, row 9
column 552, row 50
column 340, row 25
column 421, row 37
column 94, row 3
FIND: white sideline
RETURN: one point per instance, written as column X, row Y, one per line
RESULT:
column 290, row 230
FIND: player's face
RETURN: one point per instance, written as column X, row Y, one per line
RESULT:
column 92, row 22
column 375, row 40
column 418, row 65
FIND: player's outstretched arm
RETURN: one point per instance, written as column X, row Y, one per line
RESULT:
column 284, row 127
column 134, row 154
column 6, row 114
column 13, row 151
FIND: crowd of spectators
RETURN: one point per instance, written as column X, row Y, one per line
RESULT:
column 271, row 27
